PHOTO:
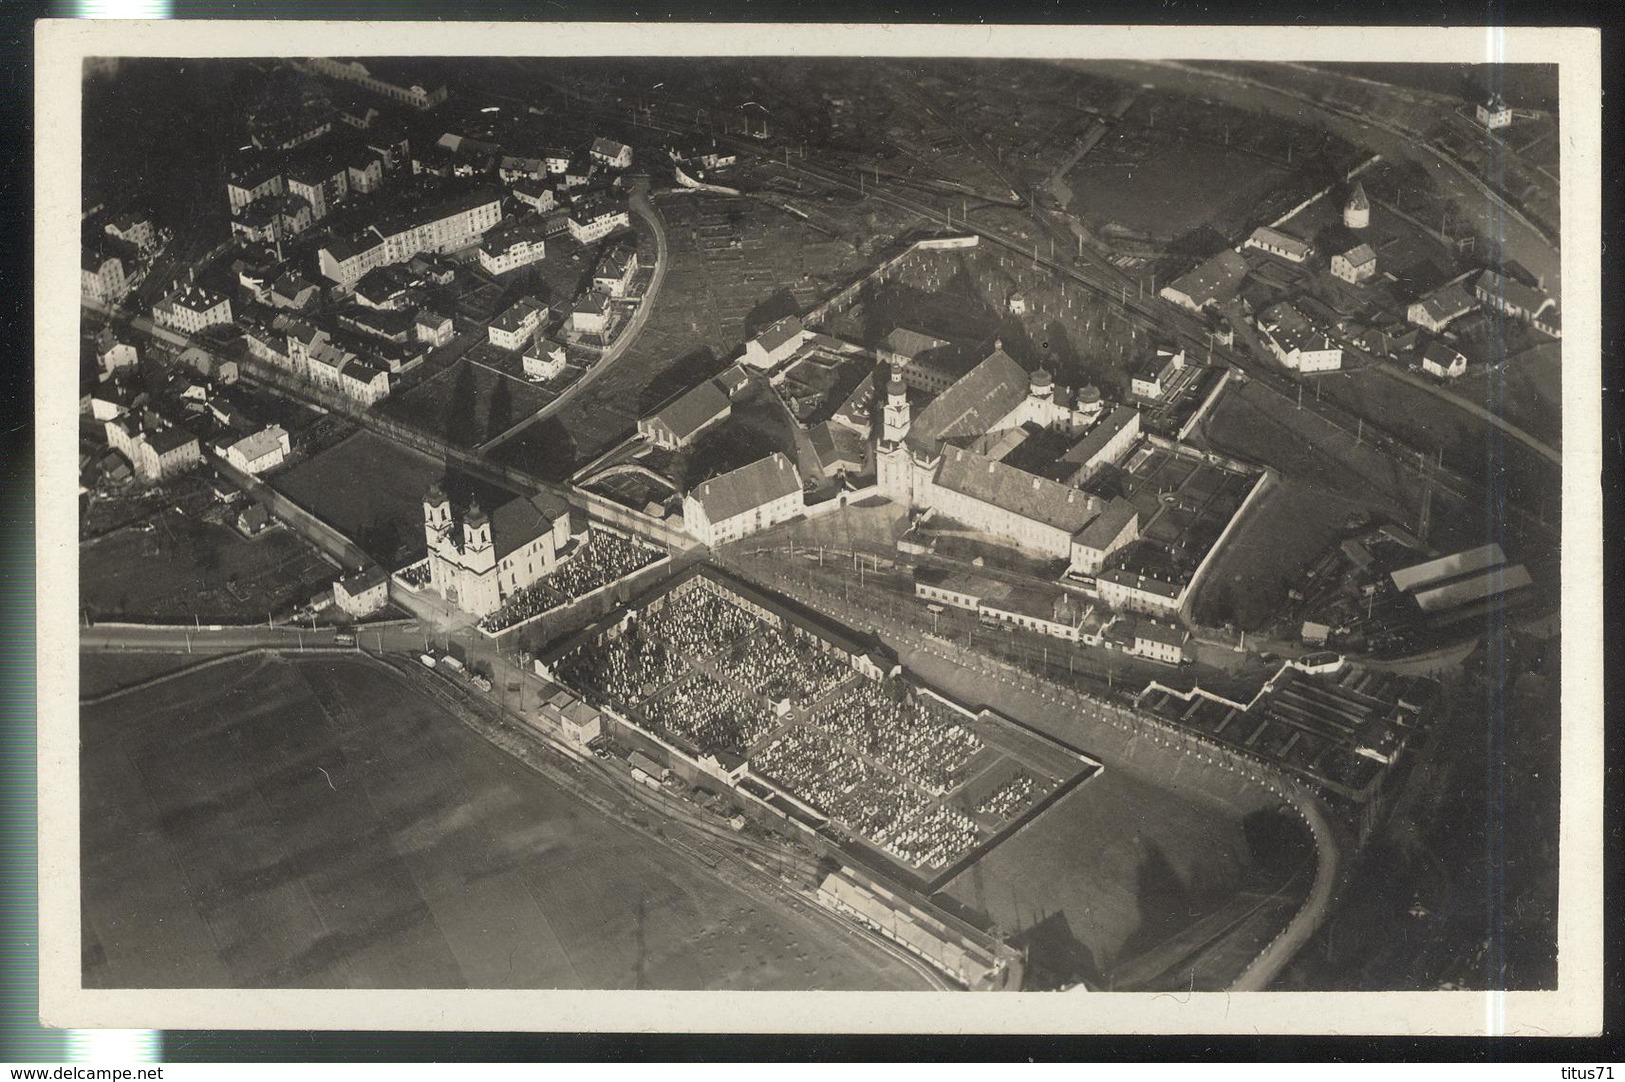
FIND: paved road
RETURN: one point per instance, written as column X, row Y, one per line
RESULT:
column 640, row 205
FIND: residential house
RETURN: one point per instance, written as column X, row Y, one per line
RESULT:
column 364, row 382
column 518, row 246
column 535, row 193
column 595, row 217
column 1159, row 642
column 190, row 310
column 156, row 452
column 1493, row 113
column 432, row 328
column 1442, row 307
column 1296, row 341
column 259, row 451
column 362, row 593
column 615, row 270
column 1355, row 265
column 544, row 361
column 115, row 355
column 776, row 344
column 590, row 314
column 102, row 277
column 292, row 291
column 1443, row 362
column 611, row 154
column 514, row 328
column 133, row 229
column 1152, row 376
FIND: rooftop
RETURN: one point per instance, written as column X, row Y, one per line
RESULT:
column 1513, row 293
column 1214, row 281
column 258, row 444
column 1360, row 255
column 447, row 208
column 1105, row 527
column 1274, row 238
column 514, row 318
column 779, row 333
column 1028, row 495
column 165, row 440
column 1151, row 631
column 980, row 399
column 911, row 343
column 1447, row 303
column 1459, row 563
column 366, row 579
column 748, row 487
column 523, row 519
column 693, row 409
column 1086, row 450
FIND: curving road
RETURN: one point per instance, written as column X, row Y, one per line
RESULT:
column 1520, row 238
column 640, row 204
column 1489, row 417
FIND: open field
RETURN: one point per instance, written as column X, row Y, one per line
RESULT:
column 734, row 264
column 1137, row 868
column 1471, row 447
column 468, row 404
column 1286, row 531
column 315, row 824
column 962, row 296
column 1163, row 187
column 184, row 568
column 101, row 671
column 371, row 489
column 1527, row 390
column 1253, row 423
column 1141, row 853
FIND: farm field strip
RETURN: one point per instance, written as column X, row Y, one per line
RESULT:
column 393, row 847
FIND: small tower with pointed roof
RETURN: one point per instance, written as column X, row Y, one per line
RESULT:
column 1357, row 211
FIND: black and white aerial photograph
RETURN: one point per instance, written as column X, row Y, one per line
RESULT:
column 819, row 523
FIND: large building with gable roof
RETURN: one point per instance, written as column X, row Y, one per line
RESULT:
column 744, row 501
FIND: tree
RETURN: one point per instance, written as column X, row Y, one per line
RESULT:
column 500, row 415
column 460, row 411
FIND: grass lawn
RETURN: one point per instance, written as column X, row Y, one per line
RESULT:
column 101, row 671
column 1164, row 187
column 279, row 823
column 371, row 489
column 186, row 567
column 712, row 298
column 1527, row 390
column 1471, row 446
column 1285, row 531
column 468, row 404
column 1255, row 424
